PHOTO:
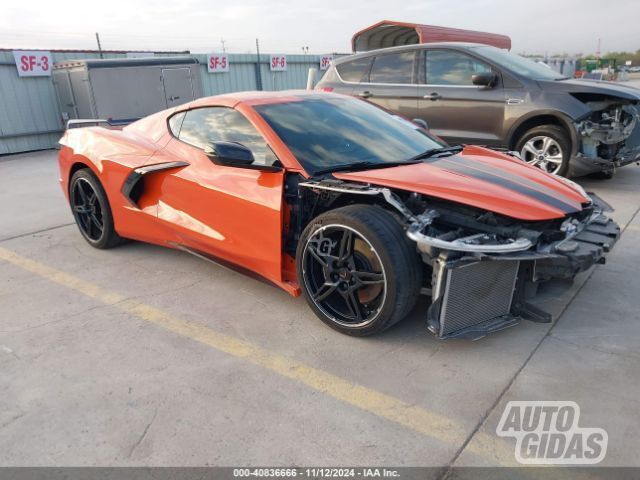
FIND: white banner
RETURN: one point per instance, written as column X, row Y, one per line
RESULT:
column 217, row 63
column 33, row 63
column 278, row 63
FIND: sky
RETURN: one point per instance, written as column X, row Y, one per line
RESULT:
column 324, row 26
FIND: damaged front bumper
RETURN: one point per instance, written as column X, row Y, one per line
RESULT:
column 477, row 292
column 608, row 139
column 581, row 164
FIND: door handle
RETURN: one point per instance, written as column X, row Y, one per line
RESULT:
column 365, row 94
column 171, row 99
column 433, row 96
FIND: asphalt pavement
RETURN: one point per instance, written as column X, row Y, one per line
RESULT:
column 141, row 355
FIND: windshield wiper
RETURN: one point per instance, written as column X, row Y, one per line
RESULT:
column 437, row 151
column 364, row 166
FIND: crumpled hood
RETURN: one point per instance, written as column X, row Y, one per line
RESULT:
column 485, row 179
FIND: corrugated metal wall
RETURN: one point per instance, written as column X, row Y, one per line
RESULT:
column 30, row 117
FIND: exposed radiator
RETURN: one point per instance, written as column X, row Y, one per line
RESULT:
column 475, row 293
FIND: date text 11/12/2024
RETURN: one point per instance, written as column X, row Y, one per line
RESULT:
column 319, row 472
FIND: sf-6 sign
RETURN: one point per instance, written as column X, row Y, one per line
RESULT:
column 217, row 63
column 33, row 63
column 278, row 63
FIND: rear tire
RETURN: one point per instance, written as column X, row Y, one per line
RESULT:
column 547, row 147
column 341, row 249
column 91, row 210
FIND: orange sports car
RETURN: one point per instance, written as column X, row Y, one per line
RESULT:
column 358, row 209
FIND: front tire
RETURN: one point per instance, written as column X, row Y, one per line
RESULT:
column 547, row 147
column 359, row 272
column 91, row 210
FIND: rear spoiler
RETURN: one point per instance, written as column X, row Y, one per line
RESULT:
column 98, row 122
column 91, row 122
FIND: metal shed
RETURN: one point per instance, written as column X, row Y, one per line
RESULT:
column 388, row 33
column 30, row 116
column 121, row 90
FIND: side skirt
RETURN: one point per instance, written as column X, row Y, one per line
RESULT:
column 289, row 287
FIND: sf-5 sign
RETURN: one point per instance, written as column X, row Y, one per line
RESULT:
column 33, row 63
column 218, row 63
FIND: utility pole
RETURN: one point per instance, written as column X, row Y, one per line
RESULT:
column 258, row 71
column 223, row 41
column 99, row 46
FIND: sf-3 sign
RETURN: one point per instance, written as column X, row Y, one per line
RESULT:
column 33, row 63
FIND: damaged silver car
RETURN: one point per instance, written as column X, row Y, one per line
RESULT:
column 482, row 95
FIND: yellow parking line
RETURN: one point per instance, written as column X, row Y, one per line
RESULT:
column 413, row 417
column 633, row 227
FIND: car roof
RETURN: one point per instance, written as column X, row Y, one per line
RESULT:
column 416, row 46
column 260, row 97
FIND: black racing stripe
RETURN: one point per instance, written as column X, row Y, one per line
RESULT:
column 516, row 178
column 459, row 167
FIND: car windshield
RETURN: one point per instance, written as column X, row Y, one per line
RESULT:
column 334, row 132
column 520, row 65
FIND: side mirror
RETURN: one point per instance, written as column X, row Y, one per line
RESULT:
column 230, row 154
column 421, row 123
column 484, row 79
column 233, row 154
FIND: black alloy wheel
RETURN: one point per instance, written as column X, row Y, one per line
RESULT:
column 91, row 210
column 87, row 210
column 344, row 275
column 357, row 269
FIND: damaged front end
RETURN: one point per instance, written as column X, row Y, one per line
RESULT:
column 609, row 136
column 483, row 276
column 481, row 268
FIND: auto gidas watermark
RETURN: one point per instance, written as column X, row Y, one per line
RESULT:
column 547, row 433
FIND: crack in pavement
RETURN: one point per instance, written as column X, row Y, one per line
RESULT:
column 625, row 355
column 6, row 239
column 12, row 419
column 52, row 322
column 144, row 434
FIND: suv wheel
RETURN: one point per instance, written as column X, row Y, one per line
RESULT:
column 547, row 147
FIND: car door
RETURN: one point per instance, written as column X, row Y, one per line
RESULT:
column 232, row 214
column 392, row 83
column 178, row 86
column 454, row 108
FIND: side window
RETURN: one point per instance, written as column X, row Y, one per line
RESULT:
column 448, row 67
column 354, row 70
column 175, row 123
column 393, row 68
column 202, row 126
